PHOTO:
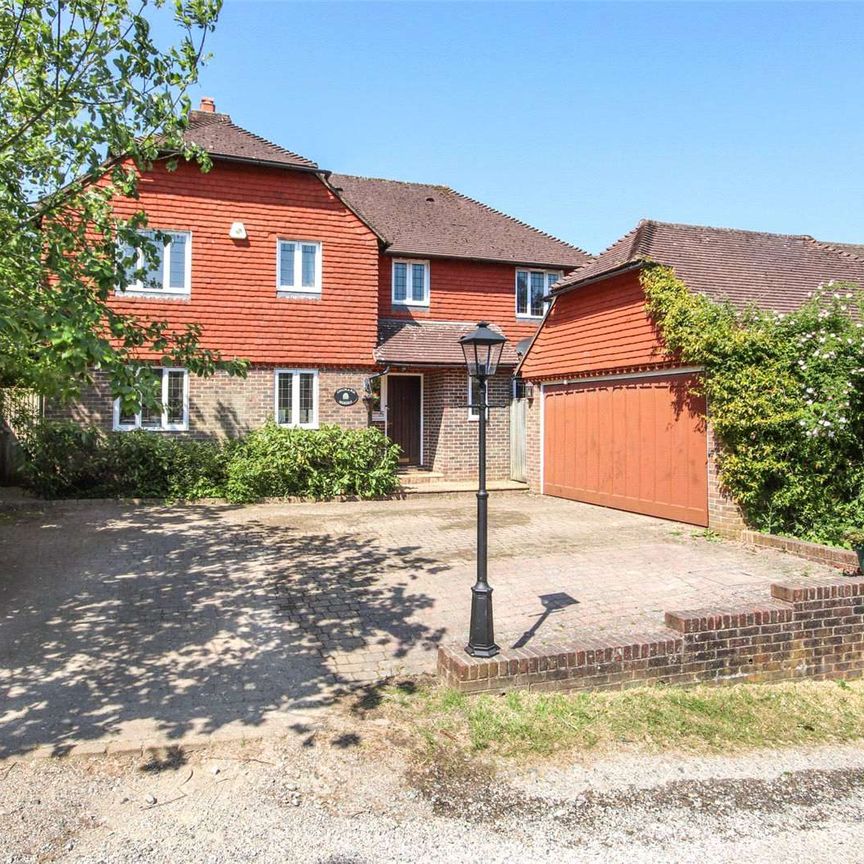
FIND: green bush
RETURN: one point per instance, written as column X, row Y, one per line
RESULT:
column 273, row 462
column 66, row 460
column 786, row 398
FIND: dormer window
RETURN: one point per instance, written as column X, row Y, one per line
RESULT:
column 410, row 282
column 298, row 267
column 531, row 287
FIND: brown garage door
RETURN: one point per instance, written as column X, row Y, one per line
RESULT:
column 636, row 444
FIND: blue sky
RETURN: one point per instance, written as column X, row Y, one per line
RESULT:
column 579, row 118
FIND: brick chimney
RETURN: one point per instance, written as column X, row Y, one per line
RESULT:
column 208, row 105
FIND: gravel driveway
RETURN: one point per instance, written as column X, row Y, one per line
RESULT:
column 122, row 625
column 314, row 799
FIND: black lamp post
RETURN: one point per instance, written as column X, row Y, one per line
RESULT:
column 482, row 349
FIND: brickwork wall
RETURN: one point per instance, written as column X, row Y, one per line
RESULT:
column 724, row 515
column 809, row 630
column 843, row 559
column 450, row 438
column 533, row 441
column 223, row 405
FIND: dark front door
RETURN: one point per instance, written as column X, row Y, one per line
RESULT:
column 403, row 415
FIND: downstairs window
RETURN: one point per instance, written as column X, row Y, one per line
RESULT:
column 173, row 384
column 297, row 398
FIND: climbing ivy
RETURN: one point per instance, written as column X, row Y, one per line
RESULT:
column 784, row 394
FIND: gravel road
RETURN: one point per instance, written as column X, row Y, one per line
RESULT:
column 331, row 796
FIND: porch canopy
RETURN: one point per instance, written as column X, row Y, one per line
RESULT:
column 408, row 342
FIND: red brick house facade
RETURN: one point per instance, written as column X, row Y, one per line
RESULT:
column 614, row 421
column 325, row 281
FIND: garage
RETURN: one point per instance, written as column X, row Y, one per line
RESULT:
column 635, row 443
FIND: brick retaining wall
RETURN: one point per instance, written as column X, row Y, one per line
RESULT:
column 814, row 629
column 844, row 559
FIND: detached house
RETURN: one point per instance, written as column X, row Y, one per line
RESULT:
column 610, row 425
column 327, row 281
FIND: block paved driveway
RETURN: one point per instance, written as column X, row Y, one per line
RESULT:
column 123, row 623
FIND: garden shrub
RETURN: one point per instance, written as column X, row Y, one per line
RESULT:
column 63, row 460
column 274, row 462
column 67, row 460
column 785, row 399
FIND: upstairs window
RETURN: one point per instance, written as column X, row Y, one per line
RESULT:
column 410, row 283
column 298, row 267
column 297, row 397
column 173, row 384
column 531, row 287
column 170, row 273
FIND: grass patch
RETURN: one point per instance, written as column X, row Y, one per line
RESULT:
column 700, row 718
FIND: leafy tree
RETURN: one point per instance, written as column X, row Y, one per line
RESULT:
column 88, row 100
column 786, row 398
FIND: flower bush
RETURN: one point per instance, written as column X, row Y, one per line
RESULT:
column 785, row 398
column 67, row 460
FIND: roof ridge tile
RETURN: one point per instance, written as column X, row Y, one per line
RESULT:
column 831, row 247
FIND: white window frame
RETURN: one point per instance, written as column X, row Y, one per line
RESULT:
column 529, row 270
column 473, row 413
column 138, row 287
column 298, row 287
column 408, row 301
column 295, row 397
column 165, row 426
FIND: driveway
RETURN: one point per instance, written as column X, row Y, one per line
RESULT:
column 123, row 623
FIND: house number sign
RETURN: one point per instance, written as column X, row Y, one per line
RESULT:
column 345, row 396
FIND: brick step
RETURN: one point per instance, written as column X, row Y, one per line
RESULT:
column 417, row 476
column 443, row 486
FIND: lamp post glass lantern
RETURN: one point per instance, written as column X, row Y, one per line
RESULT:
column 482, row 349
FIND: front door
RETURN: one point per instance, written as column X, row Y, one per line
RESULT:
column 403, row 415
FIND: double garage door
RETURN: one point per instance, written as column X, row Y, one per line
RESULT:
column 635, row 444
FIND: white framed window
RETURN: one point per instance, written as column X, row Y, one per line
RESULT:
column 531, row 287
column 170, row 274
column 296, row 396
column 410, row 282
column 474, row 400
column 298, row 267
column 174, row 414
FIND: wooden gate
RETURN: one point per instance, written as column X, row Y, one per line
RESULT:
column 17, row 407
column 518, row 448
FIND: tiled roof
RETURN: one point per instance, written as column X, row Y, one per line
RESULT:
column 421, row 219
column 216, row 134
column 773, row 271
column 852, row 248
column 409, row 342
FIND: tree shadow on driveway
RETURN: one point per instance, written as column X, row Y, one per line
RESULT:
column 171, row 621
